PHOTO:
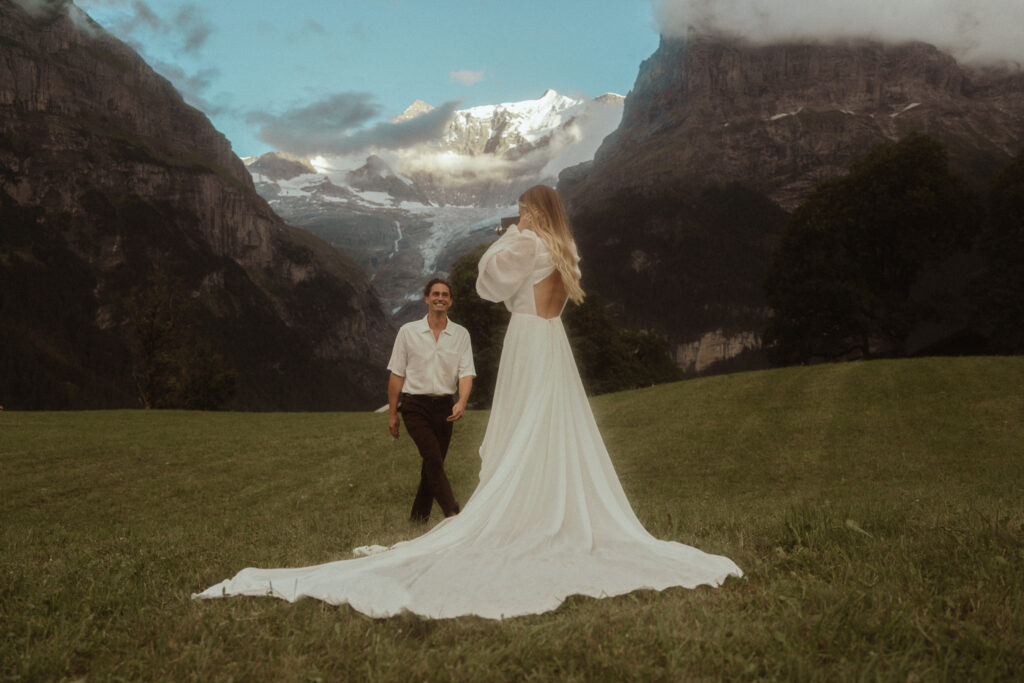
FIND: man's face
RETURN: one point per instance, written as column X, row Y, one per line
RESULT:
column 439, row 298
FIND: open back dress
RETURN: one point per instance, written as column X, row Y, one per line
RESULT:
column 548, row 518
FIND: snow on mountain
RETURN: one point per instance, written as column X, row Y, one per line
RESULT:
column 496, row 128
column 406, row 214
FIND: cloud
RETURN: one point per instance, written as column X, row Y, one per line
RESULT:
column 466, row 77
column 399, row 134
column 358, row 32
column 570, row 144
column 974, row 31
column 39, row 8
column 309, row 29
column 187, row 23
column 187, row 27
column 338, row 124
column 458, row 169
column 313, row 26
column 579, row 141
column 193, row 87
column 143, row 16
column 192, row 27
column 46, row 9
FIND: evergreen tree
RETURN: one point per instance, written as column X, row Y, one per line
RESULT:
column 172, row 366
column 840, row 284
column 485, row 320
column 609, row 358
column 999, row 291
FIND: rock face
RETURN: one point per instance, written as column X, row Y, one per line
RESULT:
column 757, row 126
column 275, row 167
column 105, row 176
column 782, row 118
column 377, row 176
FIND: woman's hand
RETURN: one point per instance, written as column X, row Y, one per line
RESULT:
column 525, row 220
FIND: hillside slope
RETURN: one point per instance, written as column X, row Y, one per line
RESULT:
column 106, row 177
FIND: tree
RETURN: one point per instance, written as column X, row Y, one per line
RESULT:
column 485, row 320
column 612, row 358
column 609, row 358
column 999, row 291
column 172, row 366
column 840, row 283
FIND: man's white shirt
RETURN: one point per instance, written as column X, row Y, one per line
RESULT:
column 430, row 366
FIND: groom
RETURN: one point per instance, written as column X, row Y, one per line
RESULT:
column 431, row 358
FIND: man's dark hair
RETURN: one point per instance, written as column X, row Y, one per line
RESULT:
column 435, row 281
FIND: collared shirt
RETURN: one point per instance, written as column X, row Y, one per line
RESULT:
column 430, row 366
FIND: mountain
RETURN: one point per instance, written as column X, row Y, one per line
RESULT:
column 405, row 217
column 274, row 167
column 490, row 154
column 514, row 128
column 678, row 211
column 109, row 182
column 377, row 176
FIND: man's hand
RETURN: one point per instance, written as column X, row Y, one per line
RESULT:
column 457, row 410
column 395, row 384
column 465, row 386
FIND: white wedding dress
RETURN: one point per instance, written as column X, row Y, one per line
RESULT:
column 548, row 518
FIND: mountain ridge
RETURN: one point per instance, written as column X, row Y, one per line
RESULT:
column 790, row 99
column 107, row 176
column 757, row 127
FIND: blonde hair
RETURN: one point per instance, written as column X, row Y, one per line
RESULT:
column 552, row 227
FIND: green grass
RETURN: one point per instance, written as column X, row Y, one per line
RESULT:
column 876, row 509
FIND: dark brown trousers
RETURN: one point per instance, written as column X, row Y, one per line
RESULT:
column 426, row 421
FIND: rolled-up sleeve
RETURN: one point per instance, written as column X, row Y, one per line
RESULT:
column 466, row 367
column 399, row 355
column 506, row 265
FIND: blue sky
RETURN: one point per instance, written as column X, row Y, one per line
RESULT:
column 340, row 69
column 246, row 61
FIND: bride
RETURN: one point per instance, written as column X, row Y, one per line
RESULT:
column 548, row 518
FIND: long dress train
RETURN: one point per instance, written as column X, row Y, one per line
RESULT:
column 548, row 518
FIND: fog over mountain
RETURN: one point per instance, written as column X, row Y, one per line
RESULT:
column 975, row 31
column 454, row 151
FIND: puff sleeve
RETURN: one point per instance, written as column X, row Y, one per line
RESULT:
column 506, row 265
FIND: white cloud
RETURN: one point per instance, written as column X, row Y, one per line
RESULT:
column 570, row 144
column 580, row 141
column 466, row 77
column 184, row 27
column 47, row 9
column 971, row 30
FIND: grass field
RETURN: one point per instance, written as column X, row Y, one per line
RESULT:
column 876, row 509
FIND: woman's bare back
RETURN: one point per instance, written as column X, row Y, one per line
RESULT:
column 549, row 296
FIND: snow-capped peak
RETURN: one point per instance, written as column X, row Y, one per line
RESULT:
column 531, row 119
column 496, row 128
column 415, row 109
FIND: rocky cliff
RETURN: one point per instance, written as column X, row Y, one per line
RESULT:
column 719, row 139
column 106, row 175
